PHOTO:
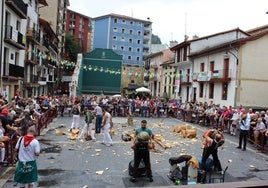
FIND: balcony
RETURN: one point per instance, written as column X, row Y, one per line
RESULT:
column 33, row 36
column 221, row 75
column 185, row 80
column 19, row 7
column 14, row 37
column 14, row 71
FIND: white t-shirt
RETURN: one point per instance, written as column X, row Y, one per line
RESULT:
column 28, row 153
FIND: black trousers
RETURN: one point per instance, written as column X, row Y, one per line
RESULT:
column 243, row 136
column 145, row 156
column 214, row 152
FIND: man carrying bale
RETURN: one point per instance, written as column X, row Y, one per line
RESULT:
column 142, row 143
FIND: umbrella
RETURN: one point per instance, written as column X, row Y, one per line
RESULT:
column 116, row 95
column 143, row 89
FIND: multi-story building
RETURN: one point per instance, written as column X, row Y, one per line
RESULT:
column 55, row 14
column 79, row 26
column 127, row 36
column 48, row 56
column 14, row 15
column 34, row 46
column 207, row 72
column 160, row 74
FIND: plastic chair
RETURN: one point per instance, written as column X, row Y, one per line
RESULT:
column 217, row 177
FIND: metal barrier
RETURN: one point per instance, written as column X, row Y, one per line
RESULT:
column 42, row 122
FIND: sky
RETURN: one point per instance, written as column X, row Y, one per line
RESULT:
column 172, row 19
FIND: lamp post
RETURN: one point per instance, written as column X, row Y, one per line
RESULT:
column 236, row 73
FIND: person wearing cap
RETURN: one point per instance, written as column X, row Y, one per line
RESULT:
column 28, row 149
column 142, row 143
column 6, row 123
column 213, row 139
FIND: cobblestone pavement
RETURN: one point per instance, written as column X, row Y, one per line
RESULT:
column 71, row 163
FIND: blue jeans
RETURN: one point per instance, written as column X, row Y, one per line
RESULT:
column 98, row 123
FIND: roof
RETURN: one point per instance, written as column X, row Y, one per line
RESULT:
column 79, row 13
column 43, row 2
column 120, row 16
column 208, row 36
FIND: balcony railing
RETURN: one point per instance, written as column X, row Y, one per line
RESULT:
column 19, row 7
column 221, row 75
column 15, row 70
column 14, row 37
column 33, row 35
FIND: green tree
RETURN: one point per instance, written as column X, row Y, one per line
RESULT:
column 156, row 39
column 71, row 48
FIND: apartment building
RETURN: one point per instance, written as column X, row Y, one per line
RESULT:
column 80, row 27
column 207, row 67
column 14, row 15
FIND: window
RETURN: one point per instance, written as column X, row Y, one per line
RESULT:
column 211, row 90
column 17, row 57
column 224, row 91
column 130, row 40
column 114, row 47
column 212, row 66
column 115, row 20
column 18, row 25
column 138, row 50
column 129, row 57
column 131, row 31
column 122, row 38
column 114, row 37
column 138, row 58
column 130, row 49
column 122, row 48
column 115, row 29
column 131, row 22
column 139, row 41
column 201, row 89
column 123, row 30
column 202, row 67
column 139, row 33
column 123, row 21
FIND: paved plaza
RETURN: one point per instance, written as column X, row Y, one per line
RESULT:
column 72, row 163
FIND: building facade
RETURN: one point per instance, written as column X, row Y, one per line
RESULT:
column 252, row 81
column 14, row 17
column 79, row 26
column 206, row 72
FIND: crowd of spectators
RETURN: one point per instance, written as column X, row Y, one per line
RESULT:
column 20, row 113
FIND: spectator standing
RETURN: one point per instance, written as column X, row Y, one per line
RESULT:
column 244, row 125
column 99, row 116
column 28, row 149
